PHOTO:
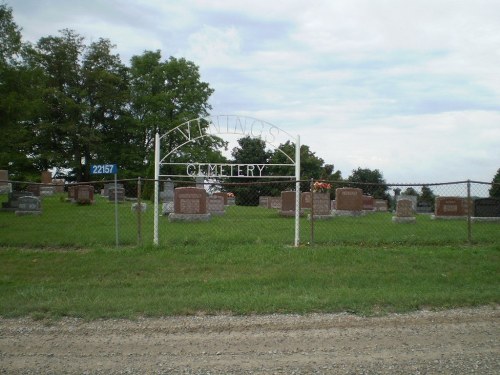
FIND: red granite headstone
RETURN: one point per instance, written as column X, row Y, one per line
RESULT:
column 222, row 194
column 190, row 200
column 368, row 203
column 349, row 199
column 450, row 206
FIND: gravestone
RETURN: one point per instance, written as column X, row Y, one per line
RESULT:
column 72, row 193
column 120, row 193
column 404, row 212
column 305, row 200
column 58, row 185
column 231, row 200
column 224, row 196
column 13, row 197
column 34, row 189
column 28, row 205
column 46, row 177
column 167, row 197
column 368, row 203
column 215, row 205
column 322, row 206
column 263, row 201
column 5, row 186
column 486, row 209
column 274, row 203
column 200, row 182
column 412, row 198
column 381, row 205
column 190, row 204
column 424, row 207
column 84, row 194
column 349, row 201
column 450, row 208
column 46, row 191
column 287, row 203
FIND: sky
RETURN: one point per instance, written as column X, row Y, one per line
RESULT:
column 408, row 87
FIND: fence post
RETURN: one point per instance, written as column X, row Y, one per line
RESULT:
column 469, row 204
column 139, row 213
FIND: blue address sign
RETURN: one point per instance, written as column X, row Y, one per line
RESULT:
column 103, row 169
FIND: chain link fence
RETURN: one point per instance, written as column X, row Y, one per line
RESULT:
column 121, row 213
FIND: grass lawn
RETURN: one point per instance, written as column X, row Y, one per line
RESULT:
column 244, row 279
column 63, row 224
column 64, row 263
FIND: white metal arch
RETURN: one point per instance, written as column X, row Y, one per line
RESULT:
column 193, row 130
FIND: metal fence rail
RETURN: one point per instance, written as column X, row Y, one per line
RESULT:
column 100, row 213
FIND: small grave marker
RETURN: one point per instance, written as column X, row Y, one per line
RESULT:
column 28, row 205
column 404, row 212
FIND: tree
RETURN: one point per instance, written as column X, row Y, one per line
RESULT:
column 311, row 166
column 410, row 191
column 166, row 94
column 371, row 181
column 250, row 151
column 18, row 98
column 84, row 104
column 107, row 130
column 57, row 127
column 427, row 198
column 495, row 186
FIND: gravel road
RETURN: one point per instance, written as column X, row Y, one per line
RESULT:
column 462, row 341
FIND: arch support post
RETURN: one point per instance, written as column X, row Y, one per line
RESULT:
column 156, row 192
column 297, row 192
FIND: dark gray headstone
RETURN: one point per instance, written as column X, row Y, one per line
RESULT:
column 168, row 191
column 29, row 205
column 487, row 207
column 120, row 194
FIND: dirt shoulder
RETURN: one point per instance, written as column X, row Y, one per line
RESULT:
column 461, row 341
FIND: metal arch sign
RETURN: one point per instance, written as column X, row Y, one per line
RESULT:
column 208, row 126
column 243, row 126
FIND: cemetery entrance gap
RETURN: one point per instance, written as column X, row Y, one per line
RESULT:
column 221, row 125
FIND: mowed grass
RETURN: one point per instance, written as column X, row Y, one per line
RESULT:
column 64, row 263
column 244, row 279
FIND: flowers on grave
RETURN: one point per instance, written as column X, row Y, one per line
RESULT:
column 321, row 187
column 230, row 195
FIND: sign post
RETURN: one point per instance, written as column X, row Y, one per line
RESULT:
column 109, row 169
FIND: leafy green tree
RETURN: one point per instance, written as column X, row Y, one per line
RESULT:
column 371, row 181
column 311, row 166
column 427, row 197
column 164, row 95
column 106, row 127
column 10, row 37
column 58, row 125
column 495, row 186
column 84, row 104
column 17, row 99
column 250, row 151
column 410, row 191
